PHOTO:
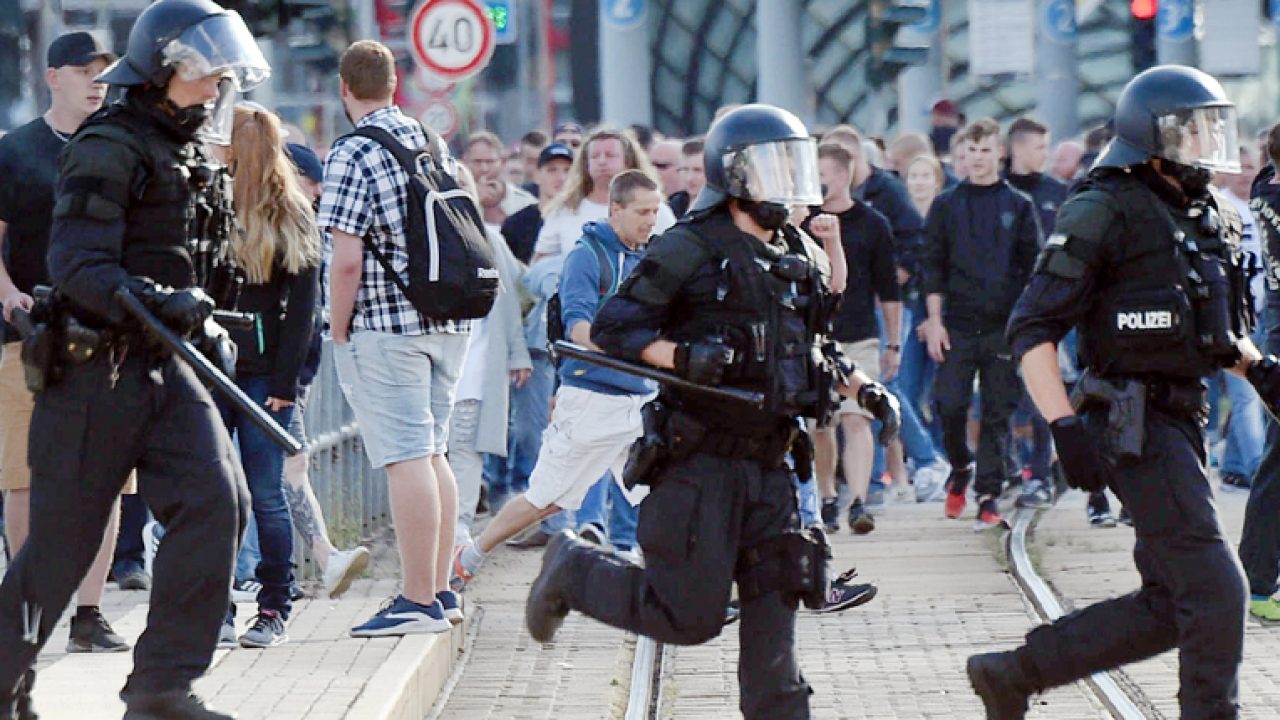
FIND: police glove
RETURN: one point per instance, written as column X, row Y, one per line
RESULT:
column 703, row 362
column 182, row 310
column 877, row 400
column 1084, row 467
column 1264, row 376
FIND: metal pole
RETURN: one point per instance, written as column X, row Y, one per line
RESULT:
column 783, row 80
column 1058, row 81
column 625, row 63
column 1175, row 32
column 921, row 86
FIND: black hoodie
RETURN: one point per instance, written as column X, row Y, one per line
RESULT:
column 1264, row 201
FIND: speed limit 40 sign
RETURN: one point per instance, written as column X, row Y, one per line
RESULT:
column 453, row 39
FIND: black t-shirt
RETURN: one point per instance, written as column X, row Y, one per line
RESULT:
column 521, row 231
column 867, row 239
column 28, row 178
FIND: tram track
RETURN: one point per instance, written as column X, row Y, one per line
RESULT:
column 1121, row 703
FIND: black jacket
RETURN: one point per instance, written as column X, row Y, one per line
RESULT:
column 981, row 247
column 889, row 197
column 1048, row 193
column 277, row 345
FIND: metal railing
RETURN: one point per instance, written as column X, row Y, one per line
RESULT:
column 352, row 495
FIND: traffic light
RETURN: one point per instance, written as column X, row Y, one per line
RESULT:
column 887, row 58
column 1142, row 33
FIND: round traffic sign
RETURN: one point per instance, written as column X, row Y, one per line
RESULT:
column 452, row 38
column 441, row 116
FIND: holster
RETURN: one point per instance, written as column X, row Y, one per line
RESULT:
column 1125, row 402
column 56, row 341
column 796, row 563
column 648, row 455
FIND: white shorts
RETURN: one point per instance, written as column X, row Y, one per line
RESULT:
column 589, row 433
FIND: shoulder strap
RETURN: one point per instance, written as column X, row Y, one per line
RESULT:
column 610, row 278
column 407, row 158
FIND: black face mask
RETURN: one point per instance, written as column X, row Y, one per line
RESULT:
column 770, row 216
column 1194, row 181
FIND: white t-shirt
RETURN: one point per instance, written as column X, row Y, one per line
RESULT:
column 562, row 228
column 471, row 382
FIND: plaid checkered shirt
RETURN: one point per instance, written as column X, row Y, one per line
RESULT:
column 365, row 195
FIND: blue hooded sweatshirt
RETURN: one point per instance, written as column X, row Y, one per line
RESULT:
column 580, row 299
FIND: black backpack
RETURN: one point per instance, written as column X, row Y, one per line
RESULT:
column 610, row 279
column 452, row 274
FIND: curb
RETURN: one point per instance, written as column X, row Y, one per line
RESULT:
column 412, row 677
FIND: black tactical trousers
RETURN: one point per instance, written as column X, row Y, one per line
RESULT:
column 987, row 356
column 692, row 526
column 1260, row 541
column 1192, row 596
column 85, row 439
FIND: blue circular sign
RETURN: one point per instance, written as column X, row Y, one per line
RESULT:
column 933, row 19
column 1176, row 19
column 1060, row 20
column 624, row 14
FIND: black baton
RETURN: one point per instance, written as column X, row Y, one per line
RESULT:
column 207, row 371
column 577, row 352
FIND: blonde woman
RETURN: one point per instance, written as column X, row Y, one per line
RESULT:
column 585, row 197
column 925, row 178
column 278, row 248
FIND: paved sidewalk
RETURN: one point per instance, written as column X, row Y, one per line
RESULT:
column 1086, row 565
column 943, row 596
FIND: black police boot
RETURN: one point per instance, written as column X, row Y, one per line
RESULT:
column 18, row 706
column 169, row 705
column 548, row 602
column 1002, row 681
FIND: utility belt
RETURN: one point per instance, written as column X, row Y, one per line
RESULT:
column 54, row 339
column 1126, row 400
column 673, row 435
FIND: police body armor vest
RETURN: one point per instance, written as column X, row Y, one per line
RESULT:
column 179, row 217
column 1174, row 300
column 771, row 307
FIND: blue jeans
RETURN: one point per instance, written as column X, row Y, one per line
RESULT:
column 1246, row 428
column 530, row 412
column 263, row 463
column 916, row 371
column 606, row 497
column 250, row 553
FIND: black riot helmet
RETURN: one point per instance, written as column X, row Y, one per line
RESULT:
column 760, row 154
column 1178, row 114
column 195, row 37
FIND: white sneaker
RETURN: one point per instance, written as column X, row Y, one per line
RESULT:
column 227, row 635
column 151, row 535
column 931, row 481
column 245, row 591
column 343, row 567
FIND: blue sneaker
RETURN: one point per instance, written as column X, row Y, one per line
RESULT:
column 452, row 605
column 400, row 616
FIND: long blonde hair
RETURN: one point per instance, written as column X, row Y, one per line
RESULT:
column 580, row 184
column 275, row 218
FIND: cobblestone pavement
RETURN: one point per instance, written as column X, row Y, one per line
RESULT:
column 943, row 596
column 1086, row 565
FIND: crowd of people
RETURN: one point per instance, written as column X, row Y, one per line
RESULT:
column 931, row 240
column 937, row 233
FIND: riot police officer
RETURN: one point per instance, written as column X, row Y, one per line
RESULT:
column 137, row 208
column 1145, row 261
column 733, row 295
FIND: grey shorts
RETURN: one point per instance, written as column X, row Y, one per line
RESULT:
column 401, row 388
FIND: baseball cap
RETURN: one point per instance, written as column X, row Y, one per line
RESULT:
column 307, row 161
column 568, row 127
column 554, row 151
column 77, row 49
column 945, row 107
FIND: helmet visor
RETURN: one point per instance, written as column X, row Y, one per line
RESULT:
column 219, row 44
column 783, row 172
column 1203, row 137
column 216, row 130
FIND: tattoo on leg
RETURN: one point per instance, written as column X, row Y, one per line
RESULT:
column 304, row 515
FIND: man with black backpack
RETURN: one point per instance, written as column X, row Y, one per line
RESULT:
column 597, row 411
column 399, row 343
